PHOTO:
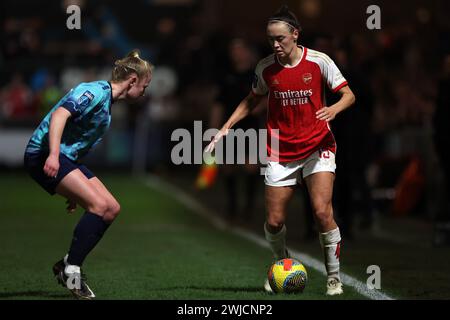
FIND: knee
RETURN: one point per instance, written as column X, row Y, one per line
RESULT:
column 274, row 223
column 112, row 212
column 99, row 206
column 324, row 214
column 109, row 210
column 115, row 209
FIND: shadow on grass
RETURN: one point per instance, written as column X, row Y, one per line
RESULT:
column 223, row 289
column 33, row 294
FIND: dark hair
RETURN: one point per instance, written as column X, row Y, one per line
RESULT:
column 285, row 15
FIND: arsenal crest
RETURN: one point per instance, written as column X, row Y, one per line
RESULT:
column 307, row 78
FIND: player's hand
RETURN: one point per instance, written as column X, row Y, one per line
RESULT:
column 71, row 206
column 217, row 137
column 51, row 166
column 326, row 113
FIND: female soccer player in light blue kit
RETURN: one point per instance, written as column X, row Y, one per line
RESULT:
column 73, row 126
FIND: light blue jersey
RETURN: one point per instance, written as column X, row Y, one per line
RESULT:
column 90, row 106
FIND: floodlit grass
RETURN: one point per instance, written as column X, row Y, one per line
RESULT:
column 156, row 249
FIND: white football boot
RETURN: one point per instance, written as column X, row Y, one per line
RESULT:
column 267, row 287
column 64, row 272
column 334, row 287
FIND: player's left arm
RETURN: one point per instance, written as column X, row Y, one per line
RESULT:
column 346, row 100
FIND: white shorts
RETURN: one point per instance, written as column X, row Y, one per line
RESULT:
column 290, row 173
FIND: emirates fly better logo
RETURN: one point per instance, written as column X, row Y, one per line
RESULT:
column 293, row 97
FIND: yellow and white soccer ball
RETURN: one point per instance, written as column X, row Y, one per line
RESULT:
column 287, row 276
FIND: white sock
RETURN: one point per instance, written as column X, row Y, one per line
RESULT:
column 65, row 259
column 331, row 245
column 71, row 269
column 277, row 242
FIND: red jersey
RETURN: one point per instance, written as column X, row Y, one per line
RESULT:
column 296, row 93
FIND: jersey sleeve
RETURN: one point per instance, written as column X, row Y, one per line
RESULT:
column 259, row 86
column 332, row 75
column 81, row 99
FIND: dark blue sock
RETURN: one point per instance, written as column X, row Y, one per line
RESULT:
column 87, row 234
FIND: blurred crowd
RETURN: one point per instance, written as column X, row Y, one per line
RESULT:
column 388, row 142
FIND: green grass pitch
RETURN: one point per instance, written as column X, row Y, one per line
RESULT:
column 156, row 249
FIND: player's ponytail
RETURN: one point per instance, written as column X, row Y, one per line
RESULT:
column 285, row 15
column 132, row 63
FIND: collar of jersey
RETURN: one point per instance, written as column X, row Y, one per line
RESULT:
column 112, row 100
column 299, row 60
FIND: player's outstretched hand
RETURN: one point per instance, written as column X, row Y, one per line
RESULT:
column 71, row 206
column 217, row 137
column 51, row 166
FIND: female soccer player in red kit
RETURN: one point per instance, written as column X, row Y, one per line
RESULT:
column 293, row 80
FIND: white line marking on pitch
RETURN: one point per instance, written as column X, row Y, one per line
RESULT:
column 194, row 205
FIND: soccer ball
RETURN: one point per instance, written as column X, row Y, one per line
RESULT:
column 287, row 276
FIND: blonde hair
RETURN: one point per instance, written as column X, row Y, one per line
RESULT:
column 132, row 63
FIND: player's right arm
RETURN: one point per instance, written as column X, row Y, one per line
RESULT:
column 242, row 110
column 254, row 98
column 57, row 123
